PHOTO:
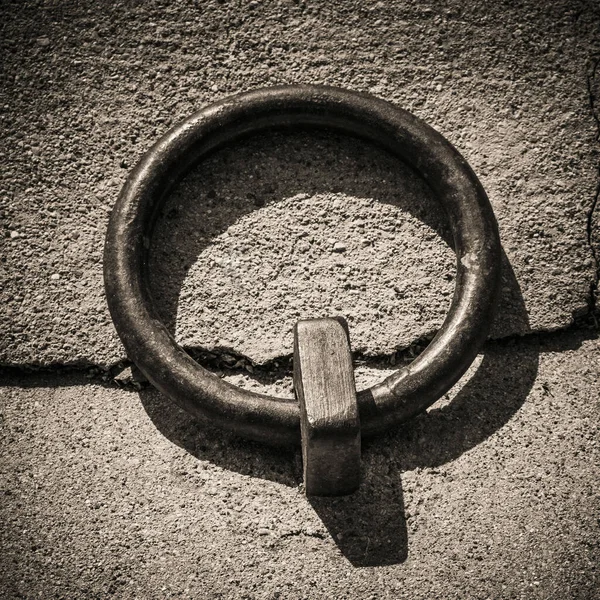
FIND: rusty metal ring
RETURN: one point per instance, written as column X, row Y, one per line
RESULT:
column 405, row 393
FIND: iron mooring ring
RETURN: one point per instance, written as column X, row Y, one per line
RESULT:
column 400, row 396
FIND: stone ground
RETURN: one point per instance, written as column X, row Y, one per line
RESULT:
column 110, row 490
column 491, row 494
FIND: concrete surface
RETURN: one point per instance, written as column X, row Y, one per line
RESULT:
column 87, row 88
column 114, row 492
column 491, row 494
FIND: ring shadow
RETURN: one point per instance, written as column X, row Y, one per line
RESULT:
column 370, row 526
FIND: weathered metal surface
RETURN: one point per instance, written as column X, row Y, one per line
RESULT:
column 274, row 420
column 329, row 422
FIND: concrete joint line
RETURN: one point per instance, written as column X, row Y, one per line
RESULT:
column 227, row 361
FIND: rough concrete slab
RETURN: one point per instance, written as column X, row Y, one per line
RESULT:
column 86, row 89
column 491, row 494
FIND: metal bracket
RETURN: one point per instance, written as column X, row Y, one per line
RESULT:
column 329, row 422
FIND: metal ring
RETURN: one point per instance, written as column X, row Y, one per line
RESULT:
column 405, row 393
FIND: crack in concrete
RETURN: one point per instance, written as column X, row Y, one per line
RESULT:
column 224, row 361
column 220, row 361
column 591, row 79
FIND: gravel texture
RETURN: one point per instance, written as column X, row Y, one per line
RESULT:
column 491, row 494
column 88, row 87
